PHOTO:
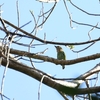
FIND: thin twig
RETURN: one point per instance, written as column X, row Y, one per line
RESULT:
column 92, row 30
column 96, row 79
column 0, row 9
column 85, row 24
column 17, row 12
column 70, row 18
column 39, row 91
column 87, row 84
column 83, row 10
column 29, row 51
column 42, row 52
column 48, row 15
column 84, row 48
column 49, row 42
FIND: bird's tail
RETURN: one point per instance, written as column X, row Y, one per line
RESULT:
column 63, row 66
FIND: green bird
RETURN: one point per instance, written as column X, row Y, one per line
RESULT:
column 60, row 54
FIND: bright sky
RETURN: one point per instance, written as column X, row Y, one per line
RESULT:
column 21, row 87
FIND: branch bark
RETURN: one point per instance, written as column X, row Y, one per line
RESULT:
column 47, row 42
column 53, row 60
column 60, row 85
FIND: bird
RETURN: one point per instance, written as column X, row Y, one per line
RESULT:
column 60, row 54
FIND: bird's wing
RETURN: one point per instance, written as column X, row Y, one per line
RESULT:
column 61, row 55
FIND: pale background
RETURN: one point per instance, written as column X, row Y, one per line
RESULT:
column 23, row 87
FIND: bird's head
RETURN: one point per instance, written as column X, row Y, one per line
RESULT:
column 58, row 48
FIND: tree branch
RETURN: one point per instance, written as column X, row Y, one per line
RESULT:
column 53, row 60
column 63, row 86
column 47, row 42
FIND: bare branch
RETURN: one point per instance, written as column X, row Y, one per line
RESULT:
column 56, row 61
column 85, row 24
column 92, row 30
column 49, row 42
column 83, row 10
column 70, row 18
column 63, row 86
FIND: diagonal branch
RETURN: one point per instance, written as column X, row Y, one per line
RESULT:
column 47, row 42
column 63, row 86
column 53, row 60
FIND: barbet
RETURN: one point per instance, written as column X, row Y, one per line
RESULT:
column 60, row 54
